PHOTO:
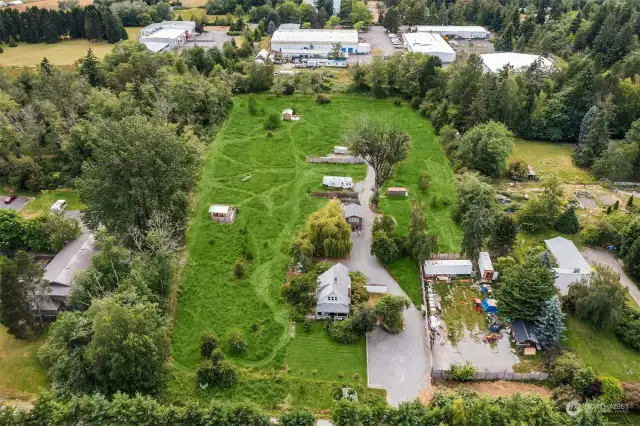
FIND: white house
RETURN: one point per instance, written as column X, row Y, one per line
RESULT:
column 571, row 265
column 333, row 294
column 447, row 267
column 429, row 44
column 495, row 62
column 313, row 41
column 460, row 31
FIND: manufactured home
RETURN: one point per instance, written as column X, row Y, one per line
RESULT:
column 338, row 182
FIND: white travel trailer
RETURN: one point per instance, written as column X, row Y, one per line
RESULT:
column 337, row 182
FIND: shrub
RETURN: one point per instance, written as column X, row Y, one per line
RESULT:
column 307, row 326
column 1, row 49
column 424, row 181
column 314, row 372
column 355, row 376
column 340, row 374
column 583, row 379
column 342, row 331
column 384, row 248
column 631, row 394
column 564, row 368
column 12, row 42
column 298, row 417
column 220, row 374
column 568, row 222
column 272, row 122
column 237, row 343
column 462, row 372
column 252, row 106
column 611, row 389
column 562, row 395
column 397, row 102
column 239, row 269
column 208, row 344
column 322, row 99
column 518, row 170
column 269, row 134
column 628, row 329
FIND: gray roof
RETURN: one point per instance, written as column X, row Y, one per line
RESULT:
column 352, row 209
column 523, row 331
column 335, row 280
column 74, row 257
column 567, row 254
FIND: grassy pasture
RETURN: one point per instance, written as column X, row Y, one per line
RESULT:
column 63, row 53
column 547, row 157
column 21, row 375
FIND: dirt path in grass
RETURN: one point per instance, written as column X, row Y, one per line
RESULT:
column 500, row 388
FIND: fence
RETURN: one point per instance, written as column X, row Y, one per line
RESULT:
column 336, row 160
column 333, row 194
column 487, row 375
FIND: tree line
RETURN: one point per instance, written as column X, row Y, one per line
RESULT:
column 36, row 25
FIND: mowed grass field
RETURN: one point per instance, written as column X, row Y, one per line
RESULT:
column 63, row 53
column 21, row 375
column 553, row 157
column 602, row 350
column 43, row 201
column 314, row 355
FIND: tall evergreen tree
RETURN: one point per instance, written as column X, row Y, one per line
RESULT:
column 568, row 222
column 14, row 304
column 503, row 235
column 549, row 324
column 90, row 68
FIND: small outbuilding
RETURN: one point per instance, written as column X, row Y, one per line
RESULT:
column 524, row 336
column 487, row 273
column 447, row 268
column 287, row 114
column 490, row 306
column 397, row 192
column 353, row 215
column 222, row 213
column 531, row 175
column 341, row 150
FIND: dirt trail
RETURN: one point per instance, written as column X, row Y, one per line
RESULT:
column 500, row 388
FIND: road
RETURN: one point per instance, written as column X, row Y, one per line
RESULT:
column 398, row 363
column 602, row 257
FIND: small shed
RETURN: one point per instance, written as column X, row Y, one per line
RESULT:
column 222, row 213
column 287, row 114
column 341, row 150
column 490, row 306
column 353, row 215
column 397, row 192
column 263, row 54
column 531, row 174
column 524, row 336
column 485, row 266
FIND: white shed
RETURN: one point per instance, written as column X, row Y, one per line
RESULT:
column 485, row 266
column 343, row 150
column 446, row 267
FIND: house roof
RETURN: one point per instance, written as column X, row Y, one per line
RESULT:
column 74, row 257
column 168, row 33
column 567, row 254
column 219, row 208
column 290, row 35
column 497, row 61
column 444, row 29
column 523, row 331
column 335, row 280
column 352, row 209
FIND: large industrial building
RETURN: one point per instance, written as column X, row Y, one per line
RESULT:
column 167, row 35
column 289, row 41
column 495, row 62
column 429, row 44
column 468, row 32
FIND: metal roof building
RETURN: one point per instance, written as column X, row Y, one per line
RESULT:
column 167, row 35
column 429, row 44
column 495, row 62
column 290, row 41
column 571, row 265
column 446, row 267
column 459, row 31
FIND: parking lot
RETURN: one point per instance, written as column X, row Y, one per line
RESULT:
column 16, row 204
column 214, row 37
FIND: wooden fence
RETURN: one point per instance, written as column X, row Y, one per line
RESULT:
column 488, row 375
column 336, row 160
column 347, row 195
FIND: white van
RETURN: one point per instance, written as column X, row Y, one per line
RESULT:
column 58, row 207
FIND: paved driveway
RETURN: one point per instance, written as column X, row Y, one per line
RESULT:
column 16, row 204
column 398, row 363
column 605, row 258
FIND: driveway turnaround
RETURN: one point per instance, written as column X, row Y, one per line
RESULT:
column 601, row 257
column 398, row 363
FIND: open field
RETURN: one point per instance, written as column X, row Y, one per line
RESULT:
column 601, row 350
column 62, row 53
column 21, row 375
column 316, row 351
column 193, row 3
column 46, row 4
column 551, row 157
column 426, row 154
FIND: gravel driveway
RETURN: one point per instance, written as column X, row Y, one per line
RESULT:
column 595, row 257
column 398, row 363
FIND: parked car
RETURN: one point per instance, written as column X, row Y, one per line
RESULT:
column 9, row 199
column 58, row 207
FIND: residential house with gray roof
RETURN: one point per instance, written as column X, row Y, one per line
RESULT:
column 334, row 293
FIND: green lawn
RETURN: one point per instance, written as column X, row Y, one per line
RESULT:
column 45, row 199
column 316, row 351
column 21, row 375
column 405, row 271
column 525, row 241
column 602, row 351
column 426, row 154
column 551, row 157
column 62, row 53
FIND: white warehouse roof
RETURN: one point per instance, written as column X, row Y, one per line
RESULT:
column 430, row 44
column 156, row 46
column 165, row 33
column 494, row 62
column 567, row 254
column 315, row 36
column 445, row 29
column 448, row 267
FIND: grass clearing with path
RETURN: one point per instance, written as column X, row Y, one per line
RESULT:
column 551, row 157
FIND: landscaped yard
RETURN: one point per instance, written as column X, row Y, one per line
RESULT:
column 21, row 375
column 45, row 199
column 602, row 351
column 551, row 157
column 316, row 351
column 62, row 53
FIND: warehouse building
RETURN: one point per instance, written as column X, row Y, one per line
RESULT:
column 429, row 44
column 469, row 32
column 167, row 35
column 299, row 41
column 495, row 62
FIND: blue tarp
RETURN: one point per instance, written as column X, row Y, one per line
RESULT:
column 490, row 306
